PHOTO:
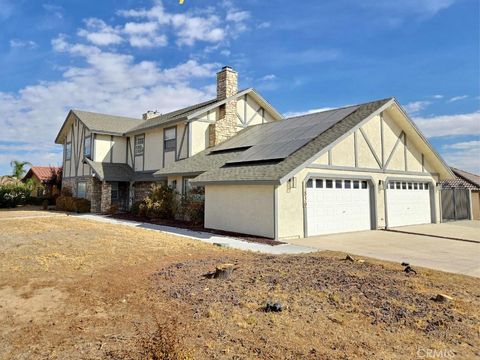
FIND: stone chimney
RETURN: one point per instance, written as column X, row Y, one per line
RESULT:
column 150, row 114
column 226, row 124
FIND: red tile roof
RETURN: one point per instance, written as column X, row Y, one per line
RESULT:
column 43, row 173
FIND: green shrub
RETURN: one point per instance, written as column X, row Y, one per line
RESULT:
column 72, row 204
column 193, row 206
column 161, row 203
column 12, row 195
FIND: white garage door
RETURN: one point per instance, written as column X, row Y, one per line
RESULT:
column 335, row 206
column 408, row 203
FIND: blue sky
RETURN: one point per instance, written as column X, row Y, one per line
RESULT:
column 126, row 57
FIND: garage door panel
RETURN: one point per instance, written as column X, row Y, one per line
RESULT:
column 408, row 203
column 334, row 210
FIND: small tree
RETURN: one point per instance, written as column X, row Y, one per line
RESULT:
column 18, row 168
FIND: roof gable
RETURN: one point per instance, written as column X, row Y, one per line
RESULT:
column 97, row 122
column 43, row 173
column 191, row 113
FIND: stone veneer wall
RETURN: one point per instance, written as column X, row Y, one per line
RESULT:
column 141, row 190
column 94, row 191
column 106, row 197
column 226, row 124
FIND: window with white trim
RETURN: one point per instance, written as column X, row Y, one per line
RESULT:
column 169, row 139
column 139, row 145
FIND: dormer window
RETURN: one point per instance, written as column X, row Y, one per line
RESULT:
column 139, row 145
column 170, row 139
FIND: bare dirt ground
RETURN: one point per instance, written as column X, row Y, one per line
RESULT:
column 76, row 289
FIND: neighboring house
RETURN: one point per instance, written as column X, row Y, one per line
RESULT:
column 468, row 182
column 110, row 160
column 44, row 180
column 355, row 168
column 9, row 180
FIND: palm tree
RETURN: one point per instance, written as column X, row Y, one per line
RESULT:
column 18, row 168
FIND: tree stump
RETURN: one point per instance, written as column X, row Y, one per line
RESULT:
column 223, row 271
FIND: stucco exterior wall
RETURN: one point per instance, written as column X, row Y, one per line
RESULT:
column 247, row 209
column 291, row 202
column 76, row 135
column 406, row 162
column 250, row 113
column 199, row 136
column 153, row 151
column 119, row 149
column 103, row 145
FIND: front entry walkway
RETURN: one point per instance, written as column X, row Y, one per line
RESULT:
column 207, row 237
column 419, row 250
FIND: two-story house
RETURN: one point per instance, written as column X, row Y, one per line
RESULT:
column 359, row 167
column 111, row 159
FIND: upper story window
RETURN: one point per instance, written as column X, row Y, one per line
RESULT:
column 139, row 145
column 169, row 139
column 87, row 146
column 68, row 151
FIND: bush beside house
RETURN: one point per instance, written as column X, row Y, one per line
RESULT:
column 12, row 195
column 67, row 202
column 163, row 202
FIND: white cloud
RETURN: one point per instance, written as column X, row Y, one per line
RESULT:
column 449, row 125
column 99, row 33
column 29, row 44
column 467, row 145
column 268, row 77
column 306, row 112
column 188, row 27
column 464, row 155
column 458, row 98
column 416, row 106
column 264, row 25
column 56, row 10
column 438, row 97
column 238, row 15
column 108, row 82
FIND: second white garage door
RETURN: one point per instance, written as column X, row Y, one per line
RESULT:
column 408, row 203
column 335, row 206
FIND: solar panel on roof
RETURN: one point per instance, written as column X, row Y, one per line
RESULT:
column 269, row 151
column 279, row 139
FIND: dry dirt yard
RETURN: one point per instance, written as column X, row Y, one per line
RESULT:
column 78, row 289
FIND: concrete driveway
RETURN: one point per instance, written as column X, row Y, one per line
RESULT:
column 462, row 257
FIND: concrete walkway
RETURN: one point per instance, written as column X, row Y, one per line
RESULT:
column 432, row 252
column 206, row 237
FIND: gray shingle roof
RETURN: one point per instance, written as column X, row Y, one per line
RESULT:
column 106, row 123
column 213, row 168
column 111, row 171
column 171, row 117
